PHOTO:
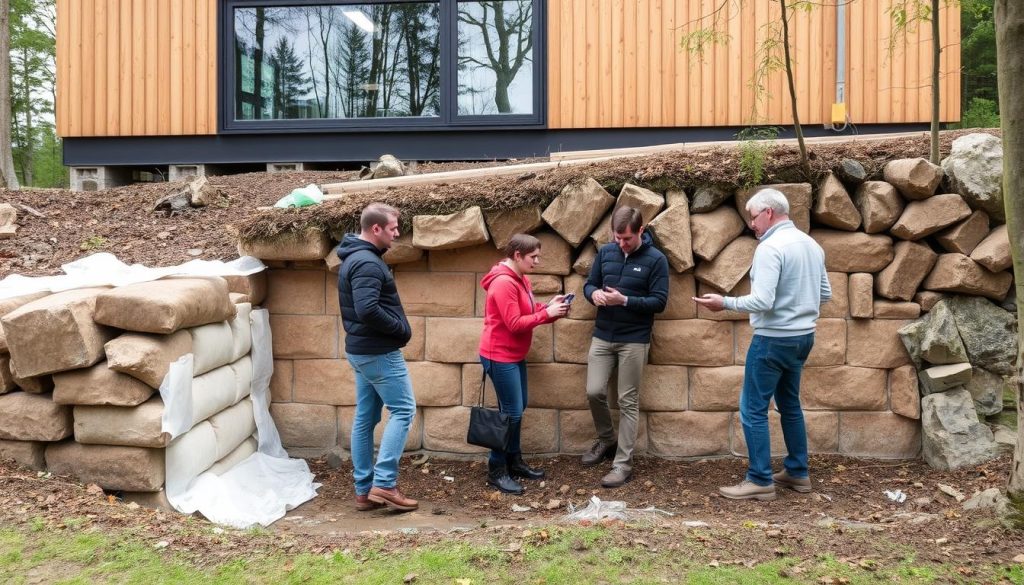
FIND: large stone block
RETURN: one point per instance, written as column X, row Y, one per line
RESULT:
column 10, row 304
column 413, row 440
column 716, row 389
column 545, row 284
column 923, row 218
column 861, row 296
column 706, row 198
column 942, row 378
column 444, row 429
column 472, row 378
column 688, row 434
column 306, row 425
column 829, row 343
column 730, row 266
column 576, row 211
column 404, row 254
column 988, row 333
column 928, row 299
column 555, row 254
column 958, row 273
column 437, row 294
column 879, row 204
column 987, row 390
column 253, row 286
column 305, row 336
column 100, row 385
column 167, row 305
column 843, row 388
column 456, row 230
column 822, row 431
column 33, row 417
column 138, row 426
column 30, row 454
column 994, row 251
column 114, row 468
column 33, row 385
column 712, row 231
column 557, row 386
column 834, row 207
column 308, row 244
column 55, row 333
column 839, row 306
column 854, row 251
column 662, row 388
column 581, row 307
column 904, row 397
column 504, row 224
column 911, row 263
column 915, row 178
column 282, row 381
column 324, row 381
column 680, row 305
column 585, row 261
column 895, row 310
column 964, row 236
column 542, row 348
column 875, row 344
column 7, row 383
column 975, row 170
column 671, row 231
column 472, row 259
column 879, row 434
column 952, row 435
column 298, row 292
column 540, row 430
column 646, row 201
column 572, row 340
column 436, row 384
column 147, row 356
column 798, row 195
column 453, row 340
column 692, row 342
column 416, row 349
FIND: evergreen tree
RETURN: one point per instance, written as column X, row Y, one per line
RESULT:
column 353, row 72
column 290, row 80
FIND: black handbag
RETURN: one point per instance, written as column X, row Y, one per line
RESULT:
column 488, row 427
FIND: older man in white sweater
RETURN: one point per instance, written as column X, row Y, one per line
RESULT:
column 788, row 284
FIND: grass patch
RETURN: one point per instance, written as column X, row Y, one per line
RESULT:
column 555, row 555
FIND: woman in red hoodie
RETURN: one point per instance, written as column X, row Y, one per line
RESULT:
column 510, row 315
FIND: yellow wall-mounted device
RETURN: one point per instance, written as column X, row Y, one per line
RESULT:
column 838, row 114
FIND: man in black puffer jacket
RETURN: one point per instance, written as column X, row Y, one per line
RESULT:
column 376, row 330
column 628, row 284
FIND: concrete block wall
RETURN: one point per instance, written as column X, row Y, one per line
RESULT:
column 859, row 390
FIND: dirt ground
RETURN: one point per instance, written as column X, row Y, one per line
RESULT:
column 847, row 515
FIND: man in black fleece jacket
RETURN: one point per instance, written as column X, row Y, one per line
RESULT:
column 376, row 330
column 628, row 284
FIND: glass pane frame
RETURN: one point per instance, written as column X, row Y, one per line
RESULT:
column 448, row 118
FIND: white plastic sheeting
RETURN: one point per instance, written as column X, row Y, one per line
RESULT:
column 104, row 269
column 260, row 489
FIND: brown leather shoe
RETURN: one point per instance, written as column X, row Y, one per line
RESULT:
column 599, row 452
column 393, row 498
column 797, row 484
column 617, row 477
column 363, row 504
column 748, row 490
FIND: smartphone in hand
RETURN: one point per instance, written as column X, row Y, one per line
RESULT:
column 569, row 298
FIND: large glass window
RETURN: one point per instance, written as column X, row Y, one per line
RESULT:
column 495, row 57
column 337, row 61
column 322, row 64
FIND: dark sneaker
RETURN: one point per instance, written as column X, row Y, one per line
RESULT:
column 363, row 504
column 499, row 479
column 393, row 499
column 748, row 490
column 599, row 452
column 617, row 477
column 797, row 484
column 518, row 468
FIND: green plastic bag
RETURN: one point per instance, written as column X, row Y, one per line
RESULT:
column 302, row 197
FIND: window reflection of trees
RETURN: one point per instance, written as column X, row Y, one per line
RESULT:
column 325, row 64
column 495, row 38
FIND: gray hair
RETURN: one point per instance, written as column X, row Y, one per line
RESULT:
column 768, row 198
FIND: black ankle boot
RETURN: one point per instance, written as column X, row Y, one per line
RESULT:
column 498, row 478
column 518, row 468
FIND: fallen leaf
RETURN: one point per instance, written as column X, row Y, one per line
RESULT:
column 518, row 508
column 951, row 492
column 409, row 578
column 553, row 505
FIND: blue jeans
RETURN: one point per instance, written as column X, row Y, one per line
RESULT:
column 773, row 370
column 510, row 385
column 381, row 380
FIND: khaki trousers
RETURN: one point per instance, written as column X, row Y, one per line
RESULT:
column 629, row 358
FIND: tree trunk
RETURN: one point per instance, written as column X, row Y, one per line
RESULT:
column 10, row 178
column 805, row 164
column 28, row 156
column 936, row 54
column 1009, row 21
column 257, row 63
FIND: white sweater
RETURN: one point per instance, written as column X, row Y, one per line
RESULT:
column 788, row 283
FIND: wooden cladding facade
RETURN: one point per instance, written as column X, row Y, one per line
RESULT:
column 618, row 64
column 136, row 67
column 149, row 67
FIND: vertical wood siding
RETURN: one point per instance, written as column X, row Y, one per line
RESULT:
column 618, row 64
column 136, row 67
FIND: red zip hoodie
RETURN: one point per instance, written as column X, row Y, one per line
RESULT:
column 510, row 315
